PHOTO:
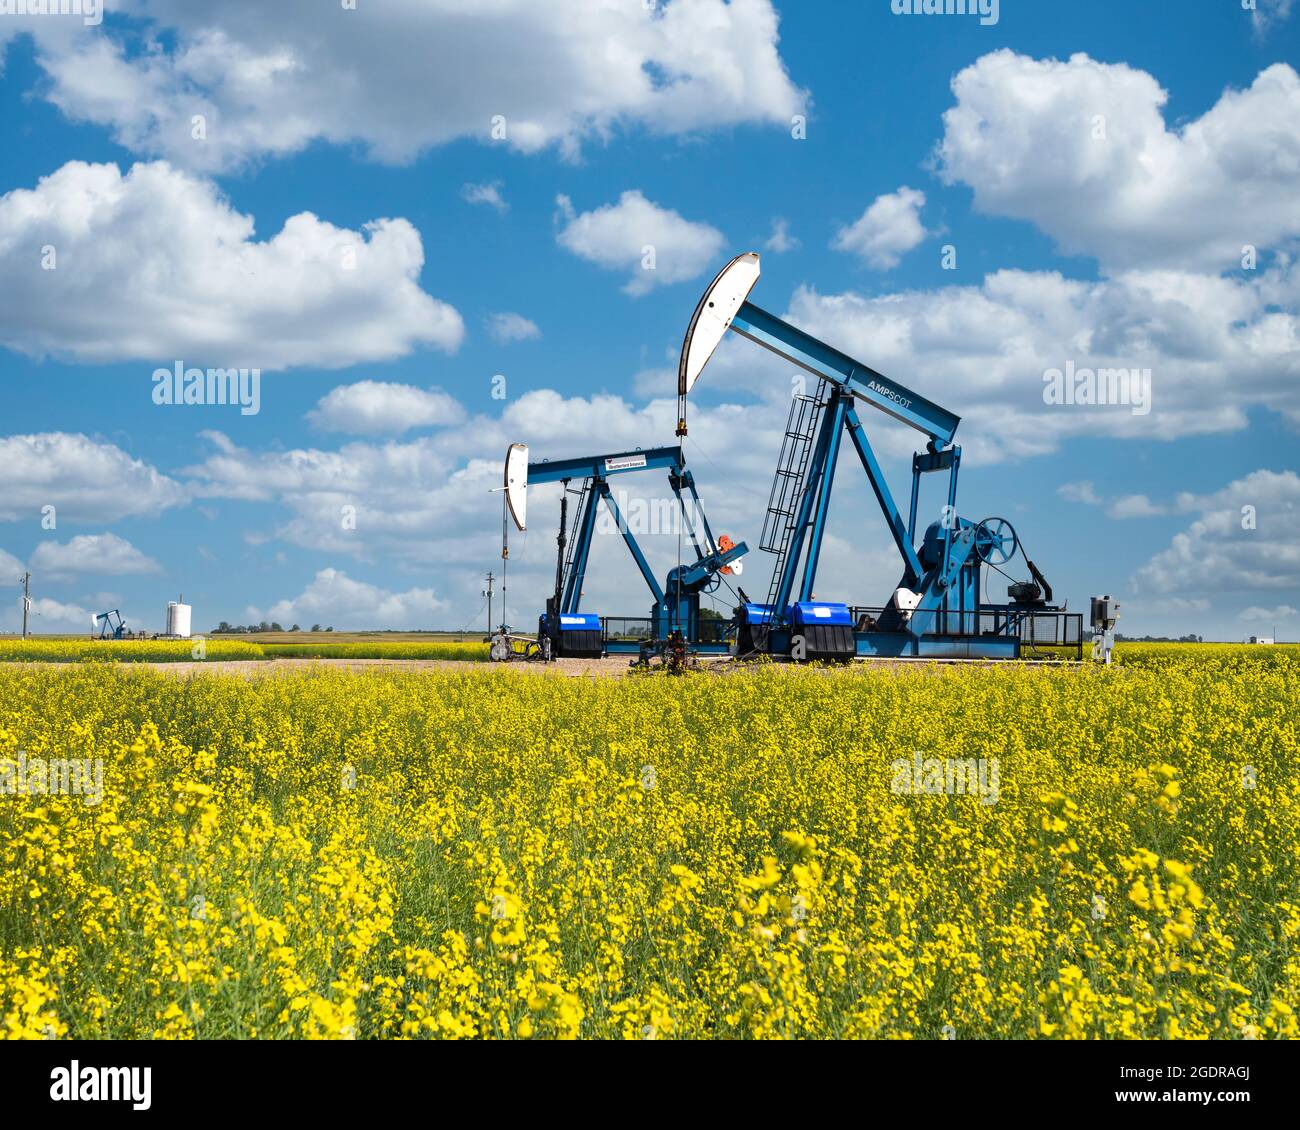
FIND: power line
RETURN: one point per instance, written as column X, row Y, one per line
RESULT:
column 471, row 620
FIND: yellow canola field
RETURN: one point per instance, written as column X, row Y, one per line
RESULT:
column 13, row 650
column 469, row 855
column 215, row 650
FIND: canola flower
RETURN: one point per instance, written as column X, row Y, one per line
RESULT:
column 472, row 855
column 1229, row 657
column 216, row 650
column 14, row 650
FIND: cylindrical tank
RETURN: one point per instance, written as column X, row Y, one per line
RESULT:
column 178, row 619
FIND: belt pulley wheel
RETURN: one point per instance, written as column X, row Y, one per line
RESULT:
column 996, row 541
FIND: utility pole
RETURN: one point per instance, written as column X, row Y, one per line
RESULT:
column 487, row 592
column 27, row 601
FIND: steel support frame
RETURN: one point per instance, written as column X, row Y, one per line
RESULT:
column 817, row 357
column 814, row 497
column 684, row 480
column 934, row 585
column 679, row 611
column 852, row 380
column 814, row 508
column 586, row 527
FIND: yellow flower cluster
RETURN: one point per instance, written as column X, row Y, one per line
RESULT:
column 447, row 854
column 60, row 650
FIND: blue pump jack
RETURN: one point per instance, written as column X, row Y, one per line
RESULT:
column 110, row 625
column 565, row 631
column 936, row 609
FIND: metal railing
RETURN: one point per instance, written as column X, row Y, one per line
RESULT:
column 642, row 628
column 1037, row 629
column 714, row 631
column 627, row 627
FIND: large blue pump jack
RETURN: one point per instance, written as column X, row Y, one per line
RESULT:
column 937, row 608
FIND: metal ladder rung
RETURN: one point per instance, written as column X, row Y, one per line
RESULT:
column 788, row 482
column 571, row 534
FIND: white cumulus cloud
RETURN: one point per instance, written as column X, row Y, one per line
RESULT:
column 1268, row 615
column 1214, row 346
column 82, row 478
column 49, row 616
column 1245, row 538
column 381, row 407
column 656, row 245
column 780, row 240
column 488, row 193
column 399, row 77
column 1082, row 150
column 333, row 598
column 11, row 569
column 889, row 228
column 104, row 554
column 509, row 327
column 1135, row 506
column 156, row 265
column 1082, row 491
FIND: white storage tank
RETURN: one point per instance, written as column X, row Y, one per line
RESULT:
column 178, row 619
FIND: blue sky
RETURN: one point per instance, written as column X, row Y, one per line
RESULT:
column 1097, row 169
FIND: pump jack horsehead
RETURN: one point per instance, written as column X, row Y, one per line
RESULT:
column 937, row 609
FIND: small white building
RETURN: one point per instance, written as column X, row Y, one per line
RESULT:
column 1261, row 639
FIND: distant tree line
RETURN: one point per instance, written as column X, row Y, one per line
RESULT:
column 225, row 628
column 1159, row 639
